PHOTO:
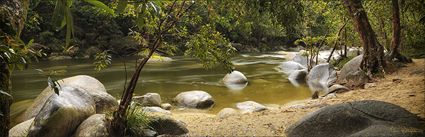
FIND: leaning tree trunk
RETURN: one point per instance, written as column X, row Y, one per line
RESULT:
column 12, row 19
column 395, row 43
column 373, row 57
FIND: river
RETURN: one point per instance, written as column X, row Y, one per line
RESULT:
column 266, row 84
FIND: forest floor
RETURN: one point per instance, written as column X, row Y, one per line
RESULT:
column 405, row 87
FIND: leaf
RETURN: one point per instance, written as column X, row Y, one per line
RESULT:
column 100, row 5
column 59, row 15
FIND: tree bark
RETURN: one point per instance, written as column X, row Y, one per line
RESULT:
column 395, row 43
column 5, row 99
column 12, row 19
column 373, row 58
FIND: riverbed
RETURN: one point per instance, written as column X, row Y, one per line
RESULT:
column 266, row 84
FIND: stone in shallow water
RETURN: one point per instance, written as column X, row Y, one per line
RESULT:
column 194, row 99
column 359, row 118
column 288, row 67
column 235, row 77
column 149, row 99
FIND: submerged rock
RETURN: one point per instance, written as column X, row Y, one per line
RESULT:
column 250, row 106
column 194, row 99
column 149, row 99
column 92, row 87
column 321, row 77
column 61, row 114
column 94, row 126
column 359, row 118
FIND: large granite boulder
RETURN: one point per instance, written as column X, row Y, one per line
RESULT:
column 321, row 77
column 359, row 119
column 297, row 77
column 21, row 130
column 351, row 75
column 104, row 101
column 250, row 106
column 149, row 99
column 61, row 114
column 194, row 99
column 94, row 126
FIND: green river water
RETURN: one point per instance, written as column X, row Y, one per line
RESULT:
column 266, row 84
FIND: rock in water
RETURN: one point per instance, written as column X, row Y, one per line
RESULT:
column 104, row 101
column 61, row 114
column 250, row 106
column 351, row 74
column 149, row 99
column 288, row 67
column 300, row 59
column 194, row 99
column 94, row 126
column 297, row 77
column 321, row 77
column 359, row 118
column 235, row 77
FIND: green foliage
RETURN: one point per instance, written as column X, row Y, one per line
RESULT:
column 62, row 16
column 211, row 48
column 102, row 60
column 136, row 120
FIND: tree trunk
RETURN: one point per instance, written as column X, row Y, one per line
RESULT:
column 373, row 57
column 395, row 43
column 12, row 19
column 5, row 99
